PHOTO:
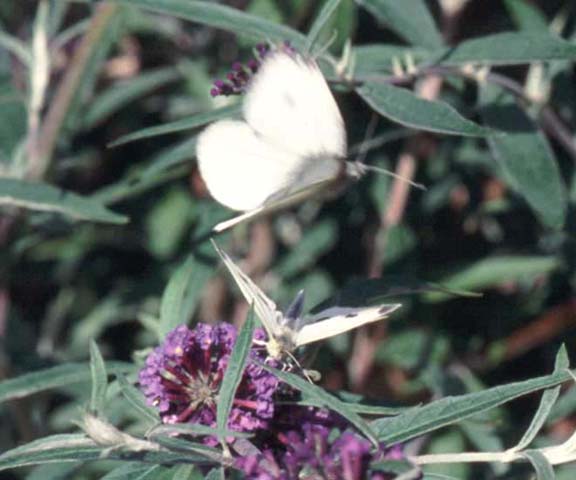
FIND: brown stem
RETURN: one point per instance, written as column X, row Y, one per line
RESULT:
column 56, row 115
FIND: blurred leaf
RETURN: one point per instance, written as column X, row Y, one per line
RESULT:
column 320, row 21
column 542, row 467
column 318, row 240
column 19, row 49
column 224, row 17
column 409, row 20
column 403, row 106
column 99, row 379
column 174, row 430
column 318, row 394
column 234, row 373
column 168, row 221
column 54, row 377
column 527, row 16
column 136, row 399
column 526, row 159
column 493, row 271
column 195, row 121
column 380, row 58
column 125, row 93
column 452, row 409
column 547, row 401
column 53, row 471
column 510, row 48
column 44, row 197
column 12, row 121
column 182, row 293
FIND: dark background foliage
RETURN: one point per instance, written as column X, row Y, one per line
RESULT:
column 500, row 227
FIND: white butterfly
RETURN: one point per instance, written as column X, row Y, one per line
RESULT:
column 290, row 146
column 287, row 332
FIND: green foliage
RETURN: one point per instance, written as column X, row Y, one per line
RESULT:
column 104, row 221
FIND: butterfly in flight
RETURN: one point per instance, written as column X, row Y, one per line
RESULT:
column 288, row 331
column 291, row 144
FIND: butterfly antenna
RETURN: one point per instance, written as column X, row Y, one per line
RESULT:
column 364, row 147
column 384, row 171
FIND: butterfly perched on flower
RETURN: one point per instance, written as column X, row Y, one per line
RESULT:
column 290, row 330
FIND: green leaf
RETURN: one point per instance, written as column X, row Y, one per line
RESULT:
column 136, row 399
column 226, row 18
column 234, row 373
column 494, row 271
column 61, row 376
column 77, row 447
column 16, row 47
column 409, row 20
column 137, row 471
column 525, row 157
column 99, row 379
column 403, row 106
column 44, row 197
column 125, row 93
column 380, row 58
column 191, row 430
column 320, row 21
column 510, row 48
column 182, row 293
column 542, row 467
column 546, row 403
column 526, row 16
column 452, row 409
column 189, row 123
column 325, row 399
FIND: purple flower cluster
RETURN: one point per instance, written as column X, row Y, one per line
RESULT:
column 182, row 377
column 312, row 453
column 238, row 78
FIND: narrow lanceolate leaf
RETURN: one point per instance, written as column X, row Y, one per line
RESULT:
column 542, row 467
column 226, row 18
column 48, row 378
column 546, row 403
column 137, row 471
column 79, row 448
column 99, row 379
column 452, row 409
column 380, row 58
column 124, row 93
column 46, row 198
column 325, row 399
column 184, row 124
column 526, row 160
column 509, row 49
column 493, row 271
column 402, row 106
column 322, row 19
column 181, row 294
column 234, row 372
column 410, row 20
column 527, row 16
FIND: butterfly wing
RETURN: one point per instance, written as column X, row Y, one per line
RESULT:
column 242, row 170
column 336, row 320
column 290, row 104
column 273, row 206
column 265, row 308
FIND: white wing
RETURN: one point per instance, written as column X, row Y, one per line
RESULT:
column 265, row 308
column 290, row 105
column 273, row 206
column 337, row 320
column 240, row 169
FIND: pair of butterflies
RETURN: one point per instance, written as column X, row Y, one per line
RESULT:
column 290, row 146
column 291, row 330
